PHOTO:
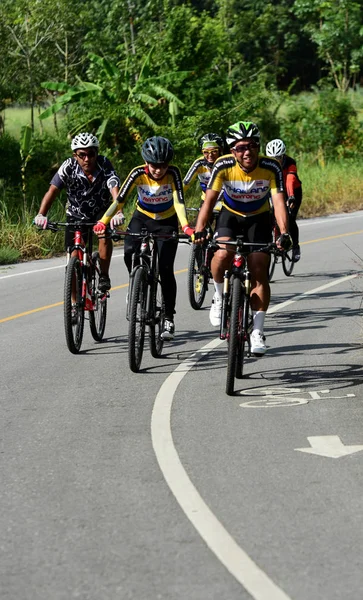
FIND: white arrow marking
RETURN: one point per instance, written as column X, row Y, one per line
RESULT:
column 330, row 446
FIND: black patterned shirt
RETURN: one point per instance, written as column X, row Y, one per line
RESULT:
column 86, row 199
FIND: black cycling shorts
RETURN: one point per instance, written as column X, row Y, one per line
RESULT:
column 257, row 228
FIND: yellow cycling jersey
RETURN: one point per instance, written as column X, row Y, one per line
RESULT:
column 200, row 169
column 244, row 193
column 158, row 199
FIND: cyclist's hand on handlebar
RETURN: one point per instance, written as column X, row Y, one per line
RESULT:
column 188, row 230
column 99, row 228
column 41, row 221
column 117, row 220
column 284, row 242
column 200, row 236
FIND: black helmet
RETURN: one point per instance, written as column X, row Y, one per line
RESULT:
column 213, row 138
column 242, row 130
column 157, row 150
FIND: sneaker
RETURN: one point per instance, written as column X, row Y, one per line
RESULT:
column 74, row 314
column 296, row 254
column 104, row 283
column 216, row 311
column 169, row 330
column 258, row 346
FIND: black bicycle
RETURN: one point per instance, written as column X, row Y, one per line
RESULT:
column 236, row 316
column 81, row 293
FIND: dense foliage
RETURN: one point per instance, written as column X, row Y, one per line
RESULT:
column 127, row 69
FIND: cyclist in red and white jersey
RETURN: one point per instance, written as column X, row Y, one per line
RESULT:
column 277, row 149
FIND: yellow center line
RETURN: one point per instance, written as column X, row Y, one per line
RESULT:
column 124, row 285
column 41, row 308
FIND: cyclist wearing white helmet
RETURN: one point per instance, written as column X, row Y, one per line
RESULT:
column 247, row 179
column 159, row 207
column 277, row 149
column 89, row 179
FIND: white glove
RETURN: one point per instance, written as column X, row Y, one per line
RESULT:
column 41, row 221
column 117, row 220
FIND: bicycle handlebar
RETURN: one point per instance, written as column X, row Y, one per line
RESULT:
column 239, row 243
column 118, row 235
column 57, row 225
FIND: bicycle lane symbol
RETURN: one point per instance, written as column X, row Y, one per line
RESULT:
column 276, row 397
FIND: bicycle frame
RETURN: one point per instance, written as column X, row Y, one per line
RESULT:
column 84, row 255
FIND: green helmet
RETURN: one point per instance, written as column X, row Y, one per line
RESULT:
column 211, row 139
column 242, row 130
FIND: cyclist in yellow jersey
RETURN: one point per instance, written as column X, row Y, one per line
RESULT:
column 247, row 180
column 159, row 206
column 211, row 145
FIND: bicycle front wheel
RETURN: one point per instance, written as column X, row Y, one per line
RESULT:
column 288, row 262
column 73, row 305
column 157, row 317
column 244, row 335
column 197, row 277
column 234, row 340
column 137, row 319
column 97, row 316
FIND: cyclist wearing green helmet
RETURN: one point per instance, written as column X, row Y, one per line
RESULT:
column 247, row 179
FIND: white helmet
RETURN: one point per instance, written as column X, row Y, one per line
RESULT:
column 275, row 148
column 84, row 140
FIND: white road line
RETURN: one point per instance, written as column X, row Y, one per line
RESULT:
column 231, row 555
column 43, row 270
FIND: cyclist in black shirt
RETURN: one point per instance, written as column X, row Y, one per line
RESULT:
column 89, row 179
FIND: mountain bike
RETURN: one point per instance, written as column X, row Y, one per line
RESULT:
column 236, row 314
column 286, row 256
column 145, row 306
column 81, row 293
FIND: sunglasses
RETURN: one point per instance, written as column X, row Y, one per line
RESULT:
column 212, row 152
column 244, row 147
column 83, row 155
column 159, row 165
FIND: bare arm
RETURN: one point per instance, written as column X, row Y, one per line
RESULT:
column 48, row 200
column 281, row 215
column 205, row 212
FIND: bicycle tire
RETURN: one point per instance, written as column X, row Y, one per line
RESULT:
column 97, row 317
column 137, row 319
column 73, row 331
column 288, row 262
column 157, row 316
column 247, row 324
column 197, row 278
column 272, row 265
column 234, row 340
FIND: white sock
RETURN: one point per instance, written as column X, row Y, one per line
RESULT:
column 218, row 289
column 258, row 319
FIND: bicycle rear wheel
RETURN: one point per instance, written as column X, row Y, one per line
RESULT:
column 137, row 319
column 197, row 277
column 288, row 262
column 73, row 310
column 271, row 269
column 234, row 341
column 97, row 317
column 157, row 316
column 273, row 255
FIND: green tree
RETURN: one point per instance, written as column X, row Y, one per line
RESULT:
column 336, row 27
